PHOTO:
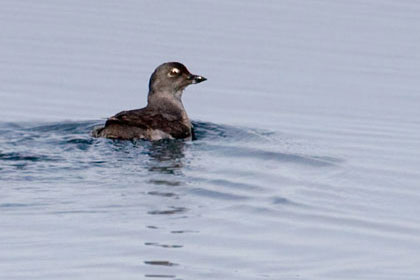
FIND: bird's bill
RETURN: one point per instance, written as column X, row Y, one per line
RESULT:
column 195, row 79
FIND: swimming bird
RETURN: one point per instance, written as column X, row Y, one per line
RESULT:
column 164, row 117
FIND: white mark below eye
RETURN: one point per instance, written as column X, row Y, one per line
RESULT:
column 174, row 71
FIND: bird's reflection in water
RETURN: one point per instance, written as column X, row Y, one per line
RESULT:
column 166, row 156
column 166, row 160
column 165, row 164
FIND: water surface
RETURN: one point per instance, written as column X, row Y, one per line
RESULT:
column 306, row 163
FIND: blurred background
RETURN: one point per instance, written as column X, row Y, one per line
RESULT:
column 76, row 60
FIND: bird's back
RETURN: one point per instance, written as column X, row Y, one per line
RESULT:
column 146, row 123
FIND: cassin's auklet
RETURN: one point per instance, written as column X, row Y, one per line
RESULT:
column 164, row 116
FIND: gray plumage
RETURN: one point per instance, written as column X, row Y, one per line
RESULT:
column 164, row 116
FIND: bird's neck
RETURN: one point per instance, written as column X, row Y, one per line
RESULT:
column 169, row 103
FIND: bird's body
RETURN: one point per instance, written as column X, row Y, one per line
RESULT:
column 164, row 116
column 146, row 123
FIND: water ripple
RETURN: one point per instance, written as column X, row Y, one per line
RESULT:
column 230, row 188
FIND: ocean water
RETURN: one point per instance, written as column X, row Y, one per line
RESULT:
column 307, row 158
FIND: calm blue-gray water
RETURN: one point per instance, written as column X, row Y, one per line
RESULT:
column 307, row 158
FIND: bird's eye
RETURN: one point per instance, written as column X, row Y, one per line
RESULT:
column 174, row 72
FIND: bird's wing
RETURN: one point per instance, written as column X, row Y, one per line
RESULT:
column 142, row 118
column 150, row 119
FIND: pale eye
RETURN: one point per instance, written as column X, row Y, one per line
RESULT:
column 174, row 72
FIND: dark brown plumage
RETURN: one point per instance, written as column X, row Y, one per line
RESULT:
column 164, row 116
